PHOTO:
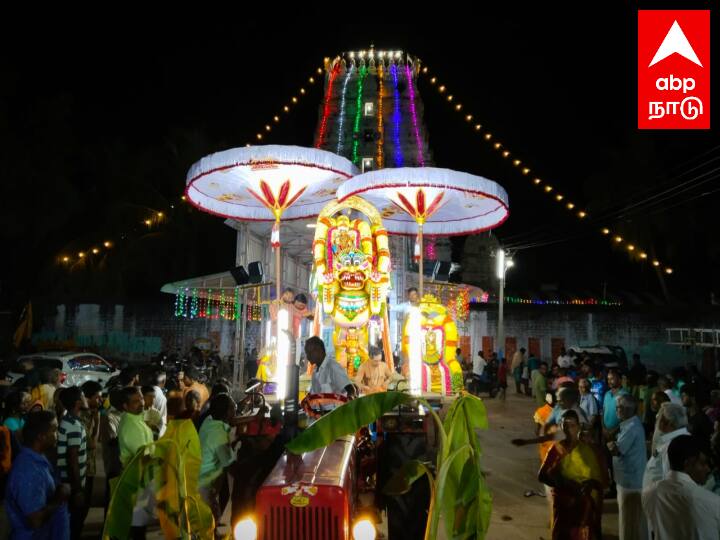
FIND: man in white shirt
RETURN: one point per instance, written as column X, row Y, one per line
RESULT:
column 664, row 386
column 678, row 507
column 671, row 423
column 404, row 309
column 478, row 368
column 160, row 403
column 564, row 360
column 479, row 365
column 328, row 376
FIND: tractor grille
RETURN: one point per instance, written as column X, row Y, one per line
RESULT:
column 308, row 523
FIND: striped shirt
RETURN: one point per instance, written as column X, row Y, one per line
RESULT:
column 71, row 434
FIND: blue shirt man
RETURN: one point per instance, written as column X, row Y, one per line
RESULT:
column 610, row 417
column 36, row 508
column 629, row 460
column 629, row 465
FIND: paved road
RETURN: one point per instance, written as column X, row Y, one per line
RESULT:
column 511, row 471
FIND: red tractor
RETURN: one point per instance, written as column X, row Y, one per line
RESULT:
column 335, row 493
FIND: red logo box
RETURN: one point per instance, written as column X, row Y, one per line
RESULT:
column 673, row 69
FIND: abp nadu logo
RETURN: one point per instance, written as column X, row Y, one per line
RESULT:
column 674, row 69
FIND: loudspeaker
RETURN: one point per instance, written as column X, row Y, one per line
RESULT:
column 240, row 275
column 441, row 272
column 256, row 272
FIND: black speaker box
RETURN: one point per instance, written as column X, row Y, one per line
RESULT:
column 256, row 272
column 441, row 272
column 240, row 275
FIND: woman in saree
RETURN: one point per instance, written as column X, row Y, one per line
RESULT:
column 576, row 472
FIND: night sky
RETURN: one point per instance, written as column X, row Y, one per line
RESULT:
column 99, row 125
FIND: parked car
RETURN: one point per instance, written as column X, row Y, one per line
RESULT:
column 75, row 367
column 609, row 356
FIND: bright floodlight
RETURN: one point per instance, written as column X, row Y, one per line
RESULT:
column 364, row 530
column 245, row 529
column 283, row 352
column 500, row 260
column 414, row 351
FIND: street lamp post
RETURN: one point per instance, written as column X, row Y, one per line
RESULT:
column 503, row 264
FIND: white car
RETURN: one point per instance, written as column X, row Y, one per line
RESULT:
column 75, row 367
column 608, row 355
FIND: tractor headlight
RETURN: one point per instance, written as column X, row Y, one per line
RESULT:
column 245, row 529
column 364, row 530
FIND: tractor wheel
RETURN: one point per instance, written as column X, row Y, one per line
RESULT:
column 406, row 514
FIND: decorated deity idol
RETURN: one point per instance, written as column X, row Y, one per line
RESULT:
column 441, row 372
column 352, row 264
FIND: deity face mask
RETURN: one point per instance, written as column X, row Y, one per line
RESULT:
column 352, row 272
column 352, row 269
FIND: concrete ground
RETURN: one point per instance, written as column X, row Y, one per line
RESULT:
column 511, row 471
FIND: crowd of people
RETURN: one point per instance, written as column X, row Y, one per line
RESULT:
column 650, row 440
column 51, row 436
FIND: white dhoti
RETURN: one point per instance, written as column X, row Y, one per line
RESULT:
column 632, row 524
column 144, row 509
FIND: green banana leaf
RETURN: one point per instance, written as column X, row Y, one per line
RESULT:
column 173, row 464
column 458, row 492
column 443, row 491
column 353, row 415
column 177, row 496
column 464, row 501
column 403, row 479
column 124, row 494
column 464, row 498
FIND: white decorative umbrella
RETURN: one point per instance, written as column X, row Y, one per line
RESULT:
column 430, row 200
column 267, row 183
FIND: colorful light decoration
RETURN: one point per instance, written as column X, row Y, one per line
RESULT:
column 220, row 313
column 573, row 302
column 326, row 107
column 431, row 249
column 581, row 214
column 341, row 131
column 191, row 304
column 358, row 113
column 413, row 115
column 396, row 117
column 180, row 303
column 236, row 307
column 194, row 305
column 484, row 298
column 462, row 304
column 381, row 130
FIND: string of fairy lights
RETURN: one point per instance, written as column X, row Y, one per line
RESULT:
column 156, row 218
column 358, row 113
column 294, row 100
column 194, row 303
column 380, row 129
column 634, row 250
column 68, row 258
column 572, row 302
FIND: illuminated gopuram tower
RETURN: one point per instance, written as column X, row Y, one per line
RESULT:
column 372, row 114
column 371, row 111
